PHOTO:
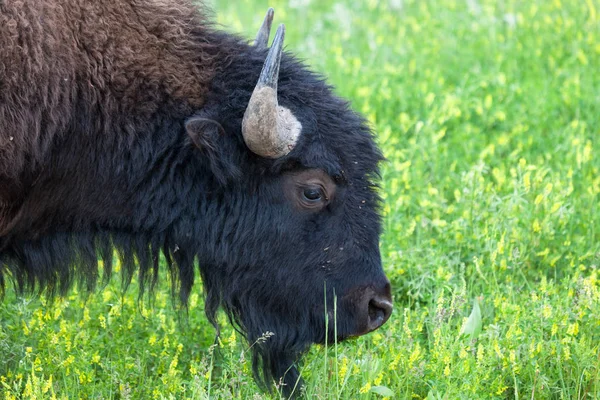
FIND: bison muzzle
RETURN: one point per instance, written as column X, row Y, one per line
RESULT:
column 136, row 128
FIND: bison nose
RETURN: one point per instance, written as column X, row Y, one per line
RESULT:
column 372, row 306
column 380, row 309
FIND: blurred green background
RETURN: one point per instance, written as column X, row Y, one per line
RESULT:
column 488, row 114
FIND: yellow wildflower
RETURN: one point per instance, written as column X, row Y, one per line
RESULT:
column 546, row 311
column 343, row 369
column 47, row 385
column 365, row 388
column 573, row 329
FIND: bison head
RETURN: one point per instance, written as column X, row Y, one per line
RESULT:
column 168, row 136
column 293, row 209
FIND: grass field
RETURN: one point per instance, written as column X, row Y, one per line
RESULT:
column 489, row 115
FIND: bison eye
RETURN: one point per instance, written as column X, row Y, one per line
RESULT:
column 308, row 190
column 313, row 194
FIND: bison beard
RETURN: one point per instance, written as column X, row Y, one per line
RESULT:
column 135, row 126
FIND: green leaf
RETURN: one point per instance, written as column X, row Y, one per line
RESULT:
column 472, row 326
column 383, row 391
column 432, row 396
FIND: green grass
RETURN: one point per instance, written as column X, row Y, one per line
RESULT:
column 488, row 113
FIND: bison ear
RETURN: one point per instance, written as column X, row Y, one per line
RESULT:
column 211, row 139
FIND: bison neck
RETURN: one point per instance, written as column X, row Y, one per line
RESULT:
column 142, row 193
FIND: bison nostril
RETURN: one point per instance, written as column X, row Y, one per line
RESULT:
column 379, row 311
column 376, row 314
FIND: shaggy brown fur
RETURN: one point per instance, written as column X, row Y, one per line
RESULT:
column 108, row 53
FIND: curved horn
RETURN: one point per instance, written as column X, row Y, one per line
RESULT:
column 262, row 37
column 270, row 130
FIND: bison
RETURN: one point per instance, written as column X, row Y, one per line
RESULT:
column 137, row 128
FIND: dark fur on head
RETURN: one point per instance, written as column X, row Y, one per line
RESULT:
column 128, row 137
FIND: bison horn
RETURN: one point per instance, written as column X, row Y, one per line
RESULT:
column 269, row 129
column 262, row 37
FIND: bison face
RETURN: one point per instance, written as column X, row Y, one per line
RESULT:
column 338, row 226
column 292, row 249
